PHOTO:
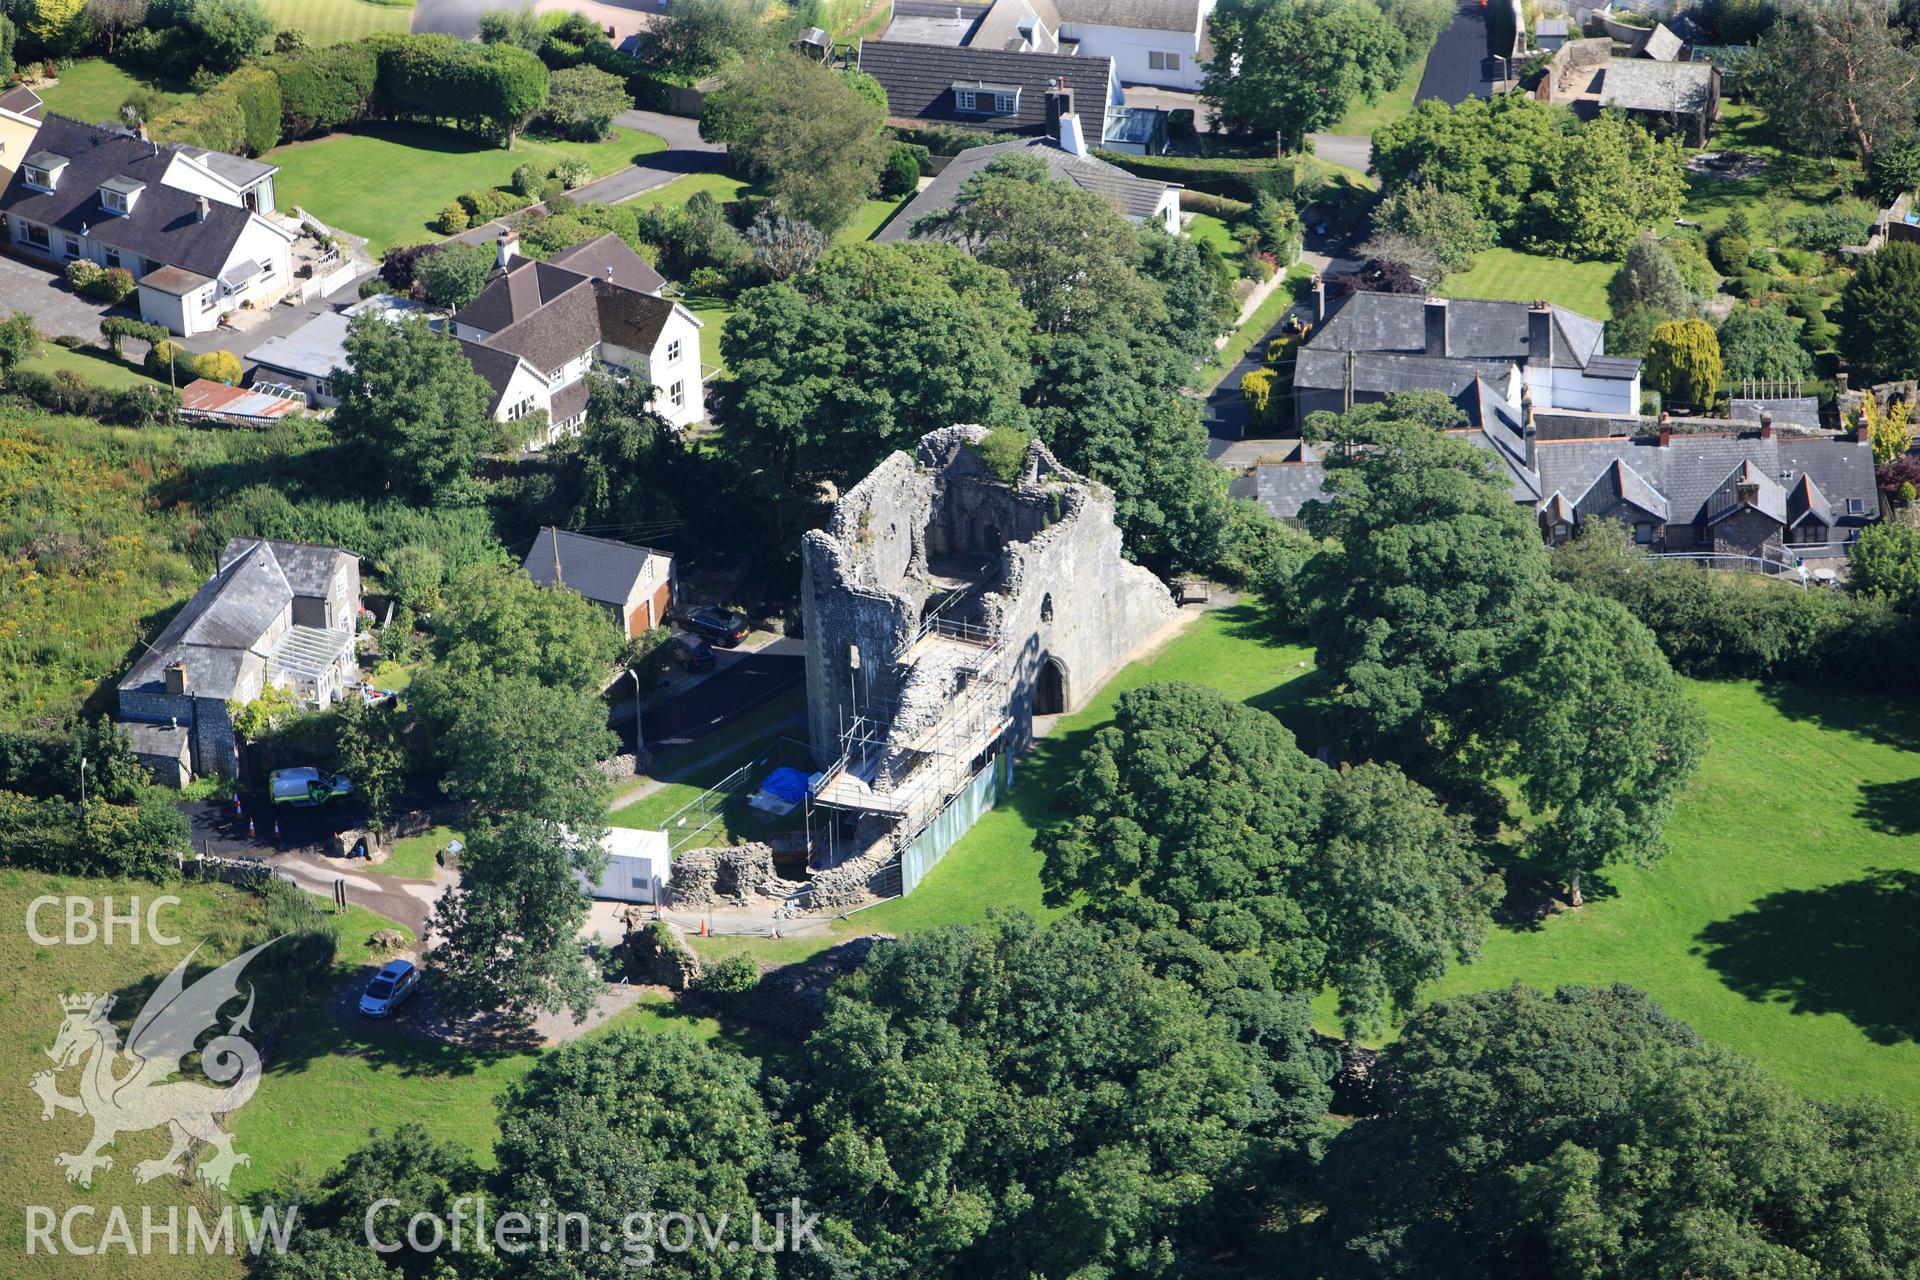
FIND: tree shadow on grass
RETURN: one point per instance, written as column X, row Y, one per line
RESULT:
column 1893, row 722
column 1891, row 808
column 1851, row 949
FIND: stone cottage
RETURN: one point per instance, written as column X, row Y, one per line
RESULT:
column 275, row 615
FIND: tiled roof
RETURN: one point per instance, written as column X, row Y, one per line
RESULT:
column 601, row 569
column 309, row 566
column 919, row 80
column 1618, row 483
column 608, row 257
column 164, row 225
column 1133, row 196
column 1660, row 44
column 22, row 101
column 1747, row 486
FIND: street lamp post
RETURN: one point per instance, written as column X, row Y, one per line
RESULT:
column 639, row 737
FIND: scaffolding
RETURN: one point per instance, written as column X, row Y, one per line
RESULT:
column 908, row 776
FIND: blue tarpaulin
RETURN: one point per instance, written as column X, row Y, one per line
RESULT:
column 788, row 784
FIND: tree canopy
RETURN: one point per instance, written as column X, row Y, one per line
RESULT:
column 1282, row 69
column 814, row 139
column 1879, row 321
column 1199, row 813
column 1835, row 76
column 412, row 410
column 869, row 349
column 1011, row 1100
column 1590, row 1133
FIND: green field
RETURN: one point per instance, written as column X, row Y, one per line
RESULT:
column 1514, row 276
column 412, row 858
column 221, row 921
column 389, row 182
column 333, row 21
column 93, row 89
column 1791, row 185
column 1782, row 923
column 96, row 364
column 1784, row 919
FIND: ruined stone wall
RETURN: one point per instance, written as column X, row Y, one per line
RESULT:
column 1059, row 590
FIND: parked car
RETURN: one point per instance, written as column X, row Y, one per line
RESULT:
column 389, row 988
column 693, row 652
column 305, row 787
column 722, row 626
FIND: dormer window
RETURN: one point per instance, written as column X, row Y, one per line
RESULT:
column 976, row 98
column 42, row 170
column 118, row 195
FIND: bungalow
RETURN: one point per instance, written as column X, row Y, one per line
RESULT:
column 193, row 227
column 275, row 615
column 1489, row 357
column 537, row 328
column 635, row 585
column 1137, row 199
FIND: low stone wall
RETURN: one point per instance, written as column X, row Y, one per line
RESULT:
column 707, row 877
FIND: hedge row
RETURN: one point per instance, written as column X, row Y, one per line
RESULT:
column 241, row 114
column 70, row 392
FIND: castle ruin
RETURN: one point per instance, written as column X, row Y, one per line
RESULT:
column 945, row 608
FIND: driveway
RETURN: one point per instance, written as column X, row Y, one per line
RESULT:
column 743, row 684
column 1352, row 150
column 1457, row 68
column 450, row 17
column 55, row 309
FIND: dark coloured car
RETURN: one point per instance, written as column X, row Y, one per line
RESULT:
column 693, row 653
column 722, row 626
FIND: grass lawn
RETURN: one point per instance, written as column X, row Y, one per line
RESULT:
column 30, row 1017
column 94, row 88
column 1204, row 228
column 388, row 182
column 1513, row 276
column 1791, row 185
column 412, row 858
column 1783, row 918
column 335, row 21
column 674, row 195
column 994, row 864
column 1364, row 119
column 873, row 215
column 96, row 364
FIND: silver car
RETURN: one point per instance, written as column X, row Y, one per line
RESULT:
column 389, row 988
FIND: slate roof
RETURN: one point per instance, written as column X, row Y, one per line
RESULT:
column 611, row 258
column 309, row 566
column 1668, row 87
column 601, row 569
column 1798, row 411
column 239, row 170
column 1550, row 28
column 218, row 635
column 1693, row 479
column 1660, row 44
column 919, row 80
column 1002, row 27
column 164, row 225
column 1693, row 470
column 1479, row 329
column 1133, row 196
column 1389, row 372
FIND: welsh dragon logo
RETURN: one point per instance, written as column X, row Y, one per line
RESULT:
column 129, row 1090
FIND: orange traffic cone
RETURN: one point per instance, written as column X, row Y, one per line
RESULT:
column 776, row 929
column 703, row 926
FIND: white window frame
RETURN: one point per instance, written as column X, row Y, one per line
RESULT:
column 26, row 235
column 1160, row 60
column 37, row 178
column 1855, row 507
column 677, row 395
column 109, row 257
column 115, row 202
column 71, row 248
column 673, row 351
